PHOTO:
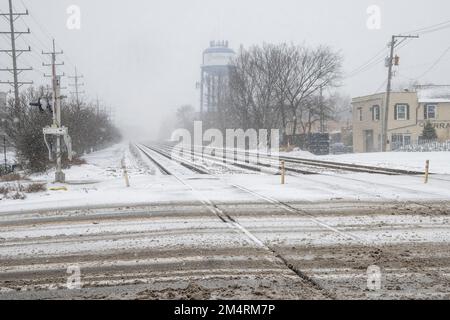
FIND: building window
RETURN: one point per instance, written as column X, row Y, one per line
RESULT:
column 401, row 112
column 430, row 111
column 360, row 114
column 376, row 113
column 400, row 140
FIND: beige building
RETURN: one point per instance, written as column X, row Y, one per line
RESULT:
column 408, row 113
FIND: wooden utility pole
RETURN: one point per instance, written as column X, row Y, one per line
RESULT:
column 56, row 88
column 14, row 53
column 4, row 152
column 77, row 86
column 390, row 61
column 98, row 106
column 322, row 111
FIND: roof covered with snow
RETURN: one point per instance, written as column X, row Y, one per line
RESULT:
column 433, row 94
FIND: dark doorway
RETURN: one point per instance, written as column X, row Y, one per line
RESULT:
column 368, row 141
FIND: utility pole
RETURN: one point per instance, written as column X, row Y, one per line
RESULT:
column 77, row 86
column 322, row 115
column 111, row 114
column 56, row 94
column 390, row 61
column 4, row 153
column 98, row 106
column 14, row 53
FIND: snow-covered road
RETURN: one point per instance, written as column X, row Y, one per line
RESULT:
column 168, row 251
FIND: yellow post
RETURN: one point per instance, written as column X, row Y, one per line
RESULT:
column 427, row 170
column 283, row 172
column 125, row 173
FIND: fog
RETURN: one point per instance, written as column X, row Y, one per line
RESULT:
column 143, row 57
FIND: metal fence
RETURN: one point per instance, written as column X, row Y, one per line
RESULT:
column 316, row 143
column 423, row 146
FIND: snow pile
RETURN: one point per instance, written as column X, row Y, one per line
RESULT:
column 298, row 153
column 433, row 94
column 439, row 161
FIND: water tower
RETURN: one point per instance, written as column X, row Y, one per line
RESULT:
column 214, row 75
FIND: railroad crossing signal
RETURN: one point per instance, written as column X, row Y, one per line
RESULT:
column 59, row 132
column 53, row 105
column 43, row 103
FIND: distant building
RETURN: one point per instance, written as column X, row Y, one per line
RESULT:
column 408, row 113
column 214, row 75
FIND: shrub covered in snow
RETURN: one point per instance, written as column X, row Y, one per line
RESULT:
column 426, row 146
column 88, row 128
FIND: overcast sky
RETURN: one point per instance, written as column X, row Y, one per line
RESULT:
column 143, row 56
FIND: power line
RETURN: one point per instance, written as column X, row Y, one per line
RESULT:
column 38, row 42
column 35, row 36
column 40, row 26
column 435, row 63
column 47, row 35
column 368, row 64
column 374, row 61
column 432, row 28
column 381, row 86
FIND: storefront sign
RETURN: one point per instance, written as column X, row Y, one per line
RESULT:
column 437, row 125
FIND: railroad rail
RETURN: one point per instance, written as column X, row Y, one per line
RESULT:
column 351, row 167
column 309, row 166
column 226, row 218
column 276, row 169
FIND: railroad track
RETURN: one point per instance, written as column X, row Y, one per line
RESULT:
column 166, row 151
column 257, row 167
column 274, row 168
column 244, row 248
column 351, row 167
column 311, row 164
column 287, row 207
column 150, row 152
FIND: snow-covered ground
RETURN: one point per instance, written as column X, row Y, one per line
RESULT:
column 10, row 157
column 439, row 161
column 100, row 183
column 162, row 233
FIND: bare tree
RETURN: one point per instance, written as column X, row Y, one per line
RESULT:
column 242, row 88
column 338, row 107
column 272, row 86
column 313, row 70
column 254, row 82
column 186, row 117
column 89, row 129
